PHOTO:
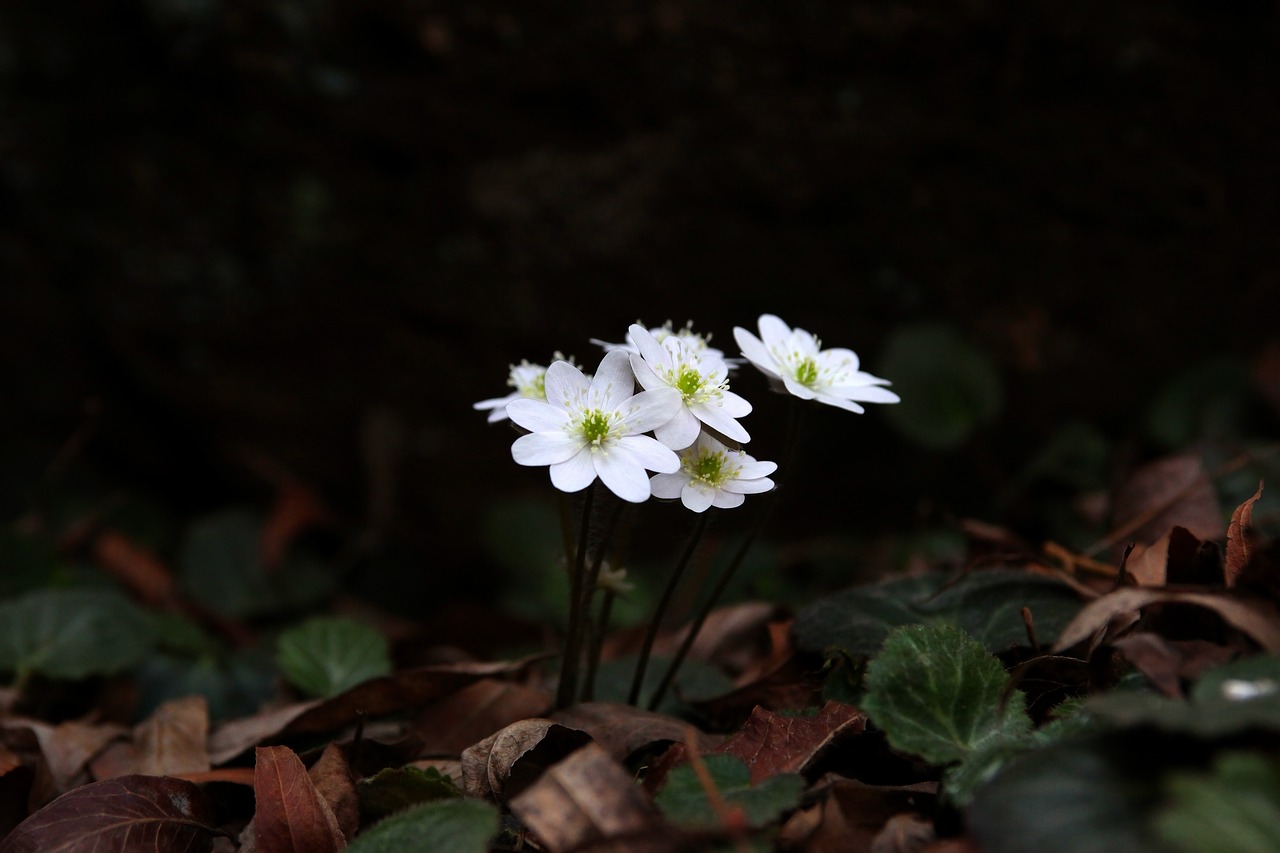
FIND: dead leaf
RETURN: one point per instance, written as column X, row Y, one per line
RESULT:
column 505, row 763
column 904, row 833
column 290, row 816
column 140, row 570
column 1242, row 539
column 332, row 777
column 585, row 799
column 389, row 694
column 455, row 722
column 1256, row 618
column 1167, row 663
column 854, row 816
column 68, row 748
column 173, row 740
column 794, row 684
column 623, row 730
column 15, row 790
column 128, row 813
column 1171, row 492
column 770, row 744
column 296, row 510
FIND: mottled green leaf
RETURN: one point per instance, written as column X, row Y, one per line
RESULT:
column 72, row 633
column 936, row 693
column 684, row 801
column 327, row 655
column 393, row 789
column 459, row 826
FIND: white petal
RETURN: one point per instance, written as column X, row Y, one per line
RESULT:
column 644, row 373
column 749, row 487
column 652, row 351
column 495, row 402
column 716, row 418
column 734, row 405
column 575, row 473
column 754, row 470
column 755, row 351
column 623, row 474
column 544, row 448
column 651, row 409
column 844, row 358
column 697, row 496
column 773, row 331
column 651, row 453
column 840, row 403
column 727, row 500
column 679, row 432
column 536, row 416
column 497, row 415
column 798, row 390
column 614, row 381
column 865, row 394
column 667, row 486
column 564, row 382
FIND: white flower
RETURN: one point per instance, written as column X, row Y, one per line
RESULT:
column 795, row 358
column 528, row 380
column 589, row 428
column 701, row 380
column 713, row 475
column 661, row 333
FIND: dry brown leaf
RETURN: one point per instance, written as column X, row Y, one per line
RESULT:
column 296, row 510
column 172, row 741
column 455, row 722
column 508, row 761
column 589, row 798
column 1171, row 492
column 623, row 729
column 409, row 688
column 1256, row 618
column 770, row 744
column 1242, row 539
column 794, row 684
column 332, row 777
column 145, row 574
column 853, row 816
column 289, row 815
column 1166, row 663
column 68, row 748
column 904, row 833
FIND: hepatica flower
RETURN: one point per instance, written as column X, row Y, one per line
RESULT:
column 713, row 475
column 661, row 333
column 588, row 428
column 701, row 380
column 795, row 359
column 528, row 380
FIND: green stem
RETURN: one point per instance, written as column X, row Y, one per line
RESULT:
column 568, row 687
column 652, row 634
column 593, row 661
column 593, row 580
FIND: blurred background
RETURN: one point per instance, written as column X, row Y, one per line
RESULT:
column 252, row 251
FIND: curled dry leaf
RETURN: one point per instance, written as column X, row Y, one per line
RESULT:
column 172, row 741
column 332, row 777
column 128, row 813
column 290, row 816
column 67, row 749
column 1254, row 617
column 585, row 799
column 505, row 763
column 623, row 729
column 770, row 743
column 1171, row 492
column 1167, row 663
column 857, row 816
column 455, row 722
column 1241, row 539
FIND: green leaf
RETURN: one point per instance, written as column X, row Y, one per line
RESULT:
column 236, row 685
column 72, row 633
column 684, row 801
column 396, row 788
column 986, row 605
column 325, row 656
column 459, row 826
column 949, row 388
column 936, row 692
column 220, row 566
column 1094, row 794
column 1236, row 807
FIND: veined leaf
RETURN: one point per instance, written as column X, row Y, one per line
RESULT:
column 459, row 826
column 72, row 633
column 325, row 656
column 684, row 801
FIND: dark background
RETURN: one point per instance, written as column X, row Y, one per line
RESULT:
column 242, row 242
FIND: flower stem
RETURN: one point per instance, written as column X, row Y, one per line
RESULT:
column 568, row 687
column 637, row 682
column 597, row 630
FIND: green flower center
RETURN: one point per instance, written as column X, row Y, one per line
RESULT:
column 807, row 372
column 688, row 381
column 710, row 467
column 595, row 426
column 535, row 387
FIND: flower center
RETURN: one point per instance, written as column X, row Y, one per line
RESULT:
column 807, row 372
column 529, row 380
column 688, row 381
column 712, row 467
column 595, row 426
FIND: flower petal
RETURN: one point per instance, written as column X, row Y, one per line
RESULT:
column 667, row 486
column 644, row 373
column 715, row 417
column 748, row 487
column 756, row 352
column 564, row 382
column 753, row 470
column 727, row 500
column 535, row 415
column 622, row 473
column 651, row 453
column 846, row 359
column 651, row 409
column 773, row 331
column 798, row 390
column 614, row 381
column 734, row 405
column 840, row 403
column 679, row 432
column 697, row 496
column 495, row 402
column 865, row 394
column 575, row 473
column 652, row 351
column 544, row 448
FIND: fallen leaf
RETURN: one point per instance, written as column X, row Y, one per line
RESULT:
column 1257, row 618
column 1242, row 539
column 585, row 799
column 173, row 740
column 623, row 729
column 1174, row 491
column 904, row 833
column 296, row 510
column 770, row 743
column 128, row 813
column 141, row 571
column 69, row 747
column 1167, row 663
column 290, row 816
column 450, row 826
column 389, row 694
column 394, row 789
column 796, row 683
column 332, row 777
column 505, row 763
column 475, row 712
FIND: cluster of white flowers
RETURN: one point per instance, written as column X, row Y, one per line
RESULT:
column 583, row 427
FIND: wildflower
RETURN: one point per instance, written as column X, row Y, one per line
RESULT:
column 696, row 340
column 794, row 359
column 588, row 428
column 528, row 379
column 713, row 475
column 701, row 380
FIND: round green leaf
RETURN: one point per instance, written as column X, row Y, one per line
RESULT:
column 72, row 633
column 325, row 656
column 684, row 800
column 459, row 826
